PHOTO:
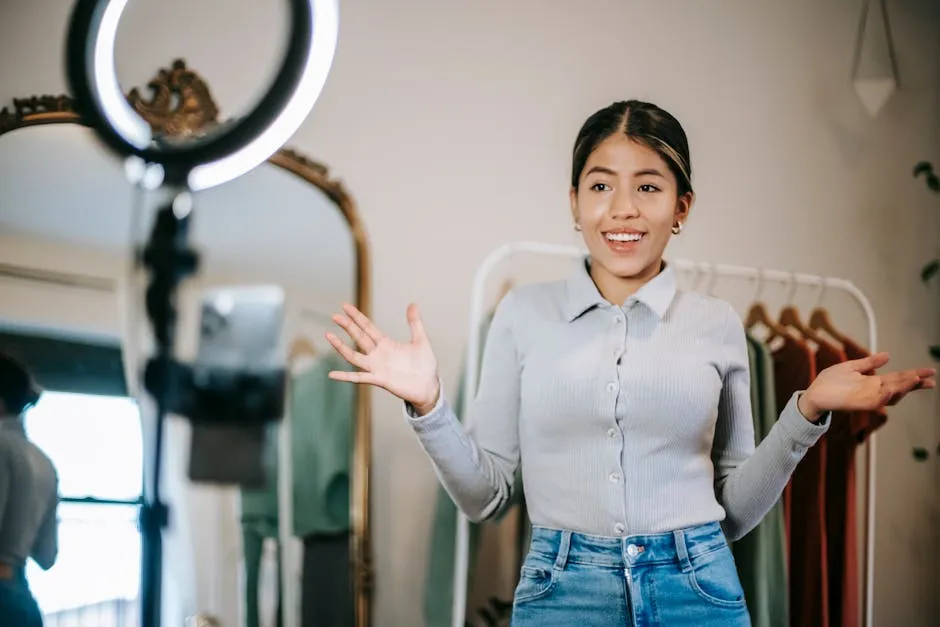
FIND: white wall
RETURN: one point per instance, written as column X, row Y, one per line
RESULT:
column 452, row 123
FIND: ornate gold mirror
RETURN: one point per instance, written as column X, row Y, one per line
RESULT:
column 292, row 554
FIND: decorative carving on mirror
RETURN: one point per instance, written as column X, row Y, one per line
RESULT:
column 180, row 105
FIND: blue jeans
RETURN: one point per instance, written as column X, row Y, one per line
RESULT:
column 684, row 577
column 17, row 605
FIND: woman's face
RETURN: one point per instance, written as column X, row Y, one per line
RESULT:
column 626, row 204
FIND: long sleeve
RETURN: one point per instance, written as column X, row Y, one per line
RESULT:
column 46, row 548
column 749, row 480
column 477, row 465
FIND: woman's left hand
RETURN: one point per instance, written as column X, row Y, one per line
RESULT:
column 854, row 386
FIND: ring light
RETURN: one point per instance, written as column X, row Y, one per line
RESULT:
column 224, row 154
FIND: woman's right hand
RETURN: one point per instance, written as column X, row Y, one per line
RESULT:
column 407, row 370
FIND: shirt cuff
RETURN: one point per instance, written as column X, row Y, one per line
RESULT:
column 801, row 430
column 432, row 420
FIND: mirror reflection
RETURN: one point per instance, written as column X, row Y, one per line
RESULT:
column 71, row 314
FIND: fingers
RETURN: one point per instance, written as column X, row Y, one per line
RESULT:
column 353, row 377
column 897, row 385
column 364, row 323
column 869, row 364
column 355, row 332
column 418, row 333
column 354, row 358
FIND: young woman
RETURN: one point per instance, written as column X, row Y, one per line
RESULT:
column 625, row 401
column 28, row 500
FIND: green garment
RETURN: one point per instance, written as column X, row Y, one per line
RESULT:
column 261, row 504
column 323, row 419
column 253, row 536
column 322, row 415
column 439, row 582
column 761, row 555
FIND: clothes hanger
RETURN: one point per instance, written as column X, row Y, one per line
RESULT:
column 790, row 316
column 758, row 314
column 819, row 318
column 301, row 346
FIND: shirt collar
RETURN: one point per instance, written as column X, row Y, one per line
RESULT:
column 656, row 294
column 12, row 425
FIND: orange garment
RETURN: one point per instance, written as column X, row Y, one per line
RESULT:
column 795, row 367
column 843, row 438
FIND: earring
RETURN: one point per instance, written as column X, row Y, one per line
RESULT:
column 677, row 228
column 577, row 226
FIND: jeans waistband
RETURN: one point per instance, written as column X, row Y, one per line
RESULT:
column 10, row 572
column 647, row 549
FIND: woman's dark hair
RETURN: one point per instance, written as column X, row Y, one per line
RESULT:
column 16, row 386
column 642, row 122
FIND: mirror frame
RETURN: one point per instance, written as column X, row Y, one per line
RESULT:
column 181, row 105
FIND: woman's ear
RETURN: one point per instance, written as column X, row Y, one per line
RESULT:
column 573, row 199
column 684, row 206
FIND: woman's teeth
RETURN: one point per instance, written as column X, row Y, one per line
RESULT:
column 624, row 237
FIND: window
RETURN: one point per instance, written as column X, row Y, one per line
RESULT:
column 95, row 443
column 89, row 428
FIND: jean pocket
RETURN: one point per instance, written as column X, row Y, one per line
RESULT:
column 534, row 583
column 714, row 577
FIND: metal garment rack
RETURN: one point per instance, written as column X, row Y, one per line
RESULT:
column 477, row 306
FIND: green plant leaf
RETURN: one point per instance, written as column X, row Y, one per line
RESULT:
column 935, row 352
column 924, row 167
column 930, row 270
column 920, row 453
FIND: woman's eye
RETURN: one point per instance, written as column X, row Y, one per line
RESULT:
column 648, row 188
column 600, row 187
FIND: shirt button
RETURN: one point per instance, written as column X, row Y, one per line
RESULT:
column 612, row 387
column 618, row 320
column 632, row 550
column 619, row 528
column 612, row 433
column 614, row 477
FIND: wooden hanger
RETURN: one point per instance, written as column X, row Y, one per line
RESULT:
column 819, row 318
column 790, row 317
column 299, row 347
column 758, row 314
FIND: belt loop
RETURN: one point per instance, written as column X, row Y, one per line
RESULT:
column 682, row 551
column 564, row 546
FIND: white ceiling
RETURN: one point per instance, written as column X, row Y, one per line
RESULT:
column 57, row 182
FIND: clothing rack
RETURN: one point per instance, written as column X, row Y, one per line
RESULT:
column 498, row 256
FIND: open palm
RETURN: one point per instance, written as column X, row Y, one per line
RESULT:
column 855, row 386
column 406, row 369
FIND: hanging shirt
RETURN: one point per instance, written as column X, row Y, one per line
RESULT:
column 810, row 504
column 322, row 415
column 843, row 440
column 794, row 369
column 323, row 419
column 625, row 419
column 259, row 506
column 28, row 499
column 761, row 555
